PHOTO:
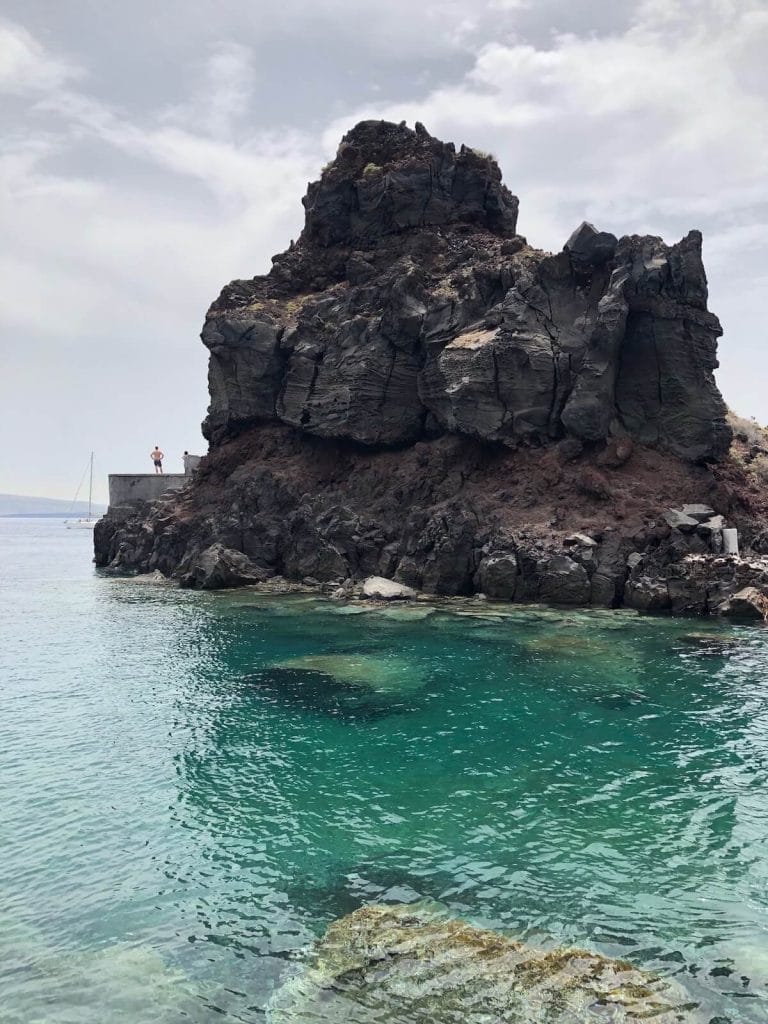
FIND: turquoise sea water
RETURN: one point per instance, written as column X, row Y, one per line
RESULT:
column 183, row 807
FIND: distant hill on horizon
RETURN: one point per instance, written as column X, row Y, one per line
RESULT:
column 26, row 505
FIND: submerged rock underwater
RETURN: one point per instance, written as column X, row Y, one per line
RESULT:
column 412, row 964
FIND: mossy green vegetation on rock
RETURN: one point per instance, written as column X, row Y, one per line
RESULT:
column 409, row 963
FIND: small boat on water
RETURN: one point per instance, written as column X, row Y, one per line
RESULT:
column 89, row 522
column 80, row 524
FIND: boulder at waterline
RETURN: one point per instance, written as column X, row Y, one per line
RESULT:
column 747, row 603
column 219, row 567
column 381, row 589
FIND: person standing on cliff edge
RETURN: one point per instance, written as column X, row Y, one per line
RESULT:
column 157, row 457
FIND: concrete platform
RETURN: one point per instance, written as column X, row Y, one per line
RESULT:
column 131, row 488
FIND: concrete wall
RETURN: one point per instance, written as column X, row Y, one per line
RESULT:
column 126, row 488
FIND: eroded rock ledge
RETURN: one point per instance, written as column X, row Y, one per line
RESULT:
column 415, row 392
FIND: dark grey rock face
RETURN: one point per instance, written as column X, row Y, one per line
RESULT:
column 245, row 369
column 387, row 178
column 588, row 248
column 218, row 568
column 666, row 395
column 409, row 307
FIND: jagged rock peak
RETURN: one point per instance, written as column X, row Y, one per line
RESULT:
column 588, row 248
column 387, row 178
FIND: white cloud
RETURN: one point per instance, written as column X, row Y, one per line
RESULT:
column 25, row 67
column 224, row 99
column 398, row 28
column 85, row 246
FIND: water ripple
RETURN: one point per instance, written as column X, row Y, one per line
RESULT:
column 182, row 813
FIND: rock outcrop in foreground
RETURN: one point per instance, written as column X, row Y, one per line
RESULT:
column 415, row 392
column 401, row 963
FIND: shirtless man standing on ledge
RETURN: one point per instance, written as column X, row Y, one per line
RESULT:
column 157, row 457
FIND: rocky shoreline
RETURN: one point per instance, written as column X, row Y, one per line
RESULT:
column 414, row 392
column 257, row 513
column 726, row 586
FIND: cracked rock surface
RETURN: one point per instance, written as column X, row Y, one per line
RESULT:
column 403, row 311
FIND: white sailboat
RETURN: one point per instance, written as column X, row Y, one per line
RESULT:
column 90, row 522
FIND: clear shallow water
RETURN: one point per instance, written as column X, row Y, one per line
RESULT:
column 180, row 812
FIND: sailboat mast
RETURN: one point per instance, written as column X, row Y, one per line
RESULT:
column 90, row 488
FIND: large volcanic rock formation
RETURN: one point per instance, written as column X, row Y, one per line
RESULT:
column 413, row 387
column 410, row 307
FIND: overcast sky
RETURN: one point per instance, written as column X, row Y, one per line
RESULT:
column 154, row 150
